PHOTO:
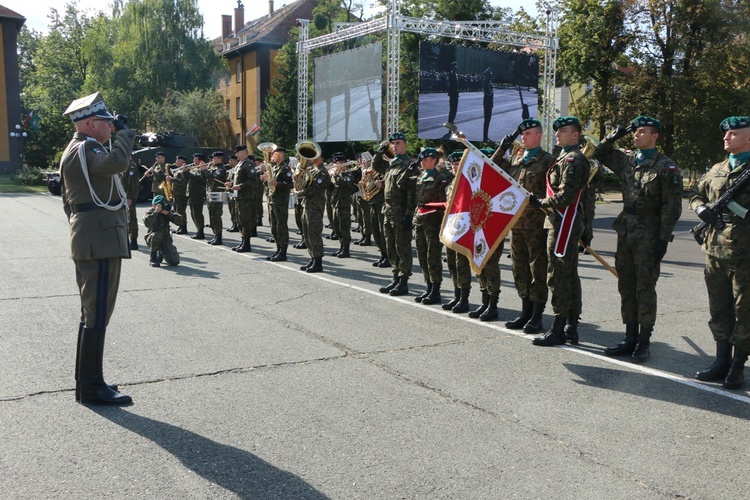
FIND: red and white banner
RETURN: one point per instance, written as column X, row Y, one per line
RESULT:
column 484, row 204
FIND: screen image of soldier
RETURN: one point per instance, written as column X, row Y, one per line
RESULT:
column 720, row 199
column 452, row 93
column 197, row 182
column 652, row 205
column 488, row 102
column 216, row 178
column 158, row 237
column 179, row 172
column 132, row 185
column 96, row 204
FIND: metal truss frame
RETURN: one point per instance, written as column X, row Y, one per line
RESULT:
column 394, row 23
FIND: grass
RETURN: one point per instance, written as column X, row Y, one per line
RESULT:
column 8, row 186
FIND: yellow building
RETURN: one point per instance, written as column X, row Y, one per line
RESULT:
column 10, row 92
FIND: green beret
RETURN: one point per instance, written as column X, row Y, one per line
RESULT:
column 158, row 200
column 396, row 136
column 487, row 151
column 734, row 122
column 456, row 155
column 428, row 153
column 564, row 121
column 529, row 123
column 646, row 121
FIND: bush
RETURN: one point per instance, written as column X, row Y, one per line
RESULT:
column 31, row 176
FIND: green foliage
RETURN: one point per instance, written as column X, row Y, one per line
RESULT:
column 278, row 120
column 29, row 177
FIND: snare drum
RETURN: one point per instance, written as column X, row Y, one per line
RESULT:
column 215, row 197
column 232, row 195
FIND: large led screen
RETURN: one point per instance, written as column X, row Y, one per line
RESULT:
column 347, row 91
column 486, row 93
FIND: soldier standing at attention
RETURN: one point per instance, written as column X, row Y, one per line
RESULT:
column 314, row 204
column 216, row 177
column 528, row 238
column 158, row 237
column 197, row 181
column 399, row 182
column 232, row 202
column 246, row 184
column 566, row 182
column 280, row 184
column 179, row 191
column 726, row 245
column 458, row 265
column 132, row 186
column 652, row 204
column 158, row 174
column 95, row 203
column 344, row 186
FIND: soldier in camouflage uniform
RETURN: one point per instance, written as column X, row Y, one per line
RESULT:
column 216, row 178
column 528, row 238
column 727, row 249
column 375, row 209
column 280, row 183
column 566, row 182
column 232, row 202
column 399, row 182
column 458, row 264
column 158, row 237
column 313, row 199
column 158, row 174
column 132, row 185
column 344, row 186
column 430, row 189
column 364, row 208
column 179, row 191
column 197, row 182
column 249, row 187
column 652, row 204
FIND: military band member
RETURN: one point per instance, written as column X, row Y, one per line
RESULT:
column 344, row 183
column 249, row 188
column 399, row 183
column 95, row 203
column 458, row 264
column 216, row 178
column 314, row 202
column 197, row 182
column 179, row 191
column 232, row 202
column 132, row 186
column 158, row 237
column 158, row 174
column 566, row 181
column 375, row 209
column 364, row 208
column 280, row 182
column 727, row 248
column 528, row 238
column 260, row 189
column 652, row 204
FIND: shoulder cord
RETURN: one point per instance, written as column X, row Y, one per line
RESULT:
column 115, row 183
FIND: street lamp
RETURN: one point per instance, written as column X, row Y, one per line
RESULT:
column 19, row 134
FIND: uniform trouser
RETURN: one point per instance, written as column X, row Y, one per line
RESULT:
column 248, row 214
column 233, row 212
column 398, row 245
column 196, row 212
column 638, row 271
column 562, row 275
column 329, row 208
column 365, row 223
column 487, row 118
column 163, row 243
column 312, row 232
column 377, row 222
column 459, row 269
column 430, row 251
column 180, row 205
column 215, row 213
column 278, row 216
column 342, row 220
column 729, row 305
column 258, row 209
column 528, row 252
column 453, row 105
column 98, row 282
column 132, row 221
column 298, row 211
column 489, row 278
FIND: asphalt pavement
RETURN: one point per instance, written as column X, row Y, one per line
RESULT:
column 252, row 379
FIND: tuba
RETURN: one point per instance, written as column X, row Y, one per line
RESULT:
column 308, row 152
column 267, row 148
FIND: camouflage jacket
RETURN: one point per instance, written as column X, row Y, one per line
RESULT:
column 158, row 224
column 314, row 195
column 216, row 173
column 248, row 178
column 399, row 178
column 179, row 182
column 530, row 175
column 431, row 189
column 285, row 183
column 131, row 181
column 158, row 175
column 567, row 177
column 345, row 185
column 197, row 182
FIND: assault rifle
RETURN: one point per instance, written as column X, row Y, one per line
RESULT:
column 725, row 201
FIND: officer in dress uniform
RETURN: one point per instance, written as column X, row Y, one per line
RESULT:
column 216, row 178
column 96, row 205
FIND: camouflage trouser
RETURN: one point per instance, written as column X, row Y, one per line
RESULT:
column 215, row 212
column 278, row 219
column 366, row 219
column 196, row 212
column 729, row 305
column 180, row 205
column 247, row 209
column 298, row 211
column 342, row 220
column 329, row 209
column 489, row 278
column 312, row 223
column 258, row 210
column 163, row 243
column 528, row 251
column 132, row 221
column 430, row 251
column 398, row 245
column 376, row 224
column 638, row 270
column 562, row 275
column 459, row 269
column 234, row 213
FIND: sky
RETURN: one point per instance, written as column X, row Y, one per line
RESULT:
column 35, row 11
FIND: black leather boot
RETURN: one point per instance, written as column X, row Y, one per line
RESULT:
column 78, row 351
column 216, row 240
column 490, row 314
column 720, row 367
column 571, row 330
column 390, row 286
column 90, row 385
column 523, row 318
column 254, row 232
column 154, row 261
column 278, row 249
column 385, row 262
column 337, row 252
column 535, row 325
column 244, row 246
column 555, row 335
column 402, row 288
column 736, row 375
column 434, row 296
column 301, row 245
column 280, row 255
column 366, row 241
column 233, row 229
column 317, row 266
column 421, row 296
column 271, row 239
column 377, row 262
column 199, row 235
column 182, row 229
column 479, row 310
column 627, row 346
column 452, row 303
column 134, row 243
column 642, row 351
column 308, row 265
column 463, row 303
column 344, row 253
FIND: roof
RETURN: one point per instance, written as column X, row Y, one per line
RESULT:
column 6, row 13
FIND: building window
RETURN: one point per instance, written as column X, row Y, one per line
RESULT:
column 238, row 70
column 238, row 107
column 237, row 139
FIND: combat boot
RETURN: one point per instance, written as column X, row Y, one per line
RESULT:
column 402, row 288
column 419, row 297
column 523, row 318
column 452, row 303
column 720, row 367
column 308, row 265
column 535, row 325
column 377, row 262
column 434, row 296
column 317, row 266
column 216, row 240
column 244, row 246
column 233, row 229
column 627, row 346
column 270, row 257
column 271, row 239
column 555, row 335
column 90, row 385
column 199, row 235
column 463, row 303
column 254, row 232
column 384, row 263
column 479, row 310
column 365, row 241
column 736, row 375
column 337, row 252
column 571, row 330
column 490, row 314
column 642, row 351
column 134, row 243
column 390, row 286
column 344, row 253
column 280, row 255
column 182, row 229
column 154, row 261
